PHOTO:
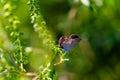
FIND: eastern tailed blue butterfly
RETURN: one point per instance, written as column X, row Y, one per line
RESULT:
column 67, row 43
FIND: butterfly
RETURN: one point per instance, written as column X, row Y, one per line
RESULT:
column 68, row 43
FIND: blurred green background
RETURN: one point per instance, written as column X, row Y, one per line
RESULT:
column 97, row 22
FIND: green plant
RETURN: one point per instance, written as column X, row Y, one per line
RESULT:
column 48, row 71
column 12, row 49
column 14, row 58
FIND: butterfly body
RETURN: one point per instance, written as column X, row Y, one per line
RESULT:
column 68, row 43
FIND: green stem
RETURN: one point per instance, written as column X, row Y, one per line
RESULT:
column 21, row 55
column 52, row 66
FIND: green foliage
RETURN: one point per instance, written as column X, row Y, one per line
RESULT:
column 46, row 73
column 15, row 35
column 17, row 52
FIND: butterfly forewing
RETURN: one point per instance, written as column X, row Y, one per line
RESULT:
column 62, row 40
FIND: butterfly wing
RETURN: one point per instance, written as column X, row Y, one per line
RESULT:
column 62, row 40
column 74, row 36
column 67, row 44
column 63, row 43
column 74, row 40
